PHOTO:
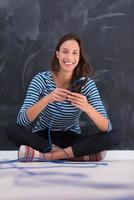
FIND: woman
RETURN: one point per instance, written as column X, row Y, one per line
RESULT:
column 54, row 101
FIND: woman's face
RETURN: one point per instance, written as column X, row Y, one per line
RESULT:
column 68, row 55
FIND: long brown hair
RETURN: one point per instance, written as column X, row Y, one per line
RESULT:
column 83, row 68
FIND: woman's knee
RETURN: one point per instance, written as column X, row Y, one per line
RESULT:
column 114, row 138
column 11, row 130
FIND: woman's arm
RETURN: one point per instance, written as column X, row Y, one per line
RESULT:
column 36, row 100
column 58, row 95
column 98, row 119
column 90, row 102
column 82, row 103
column 37, row 108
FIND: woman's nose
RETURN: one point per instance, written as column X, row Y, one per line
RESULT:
column 70, row 56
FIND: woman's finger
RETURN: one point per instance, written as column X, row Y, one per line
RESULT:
column 72, row 98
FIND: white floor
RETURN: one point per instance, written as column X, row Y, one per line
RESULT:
column 111, row 179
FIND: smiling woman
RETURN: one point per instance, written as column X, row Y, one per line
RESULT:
column 68, row 56
column 55, row 110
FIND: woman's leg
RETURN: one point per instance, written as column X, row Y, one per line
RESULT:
column 88, row 145
column 22, row 136
column 70, row 146
column 96, row 143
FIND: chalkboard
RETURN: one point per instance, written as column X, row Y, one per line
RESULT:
column 29, row 31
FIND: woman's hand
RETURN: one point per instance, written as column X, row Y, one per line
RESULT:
column 58, row 95
column 78, row 100
column 81, row 102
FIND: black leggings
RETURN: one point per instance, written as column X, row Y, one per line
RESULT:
column 82, row 144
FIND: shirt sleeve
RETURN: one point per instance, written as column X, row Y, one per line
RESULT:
column 33, row 95
column 90, row 90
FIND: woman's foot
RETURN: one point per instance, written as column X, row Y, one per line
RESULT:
column 28, row 154
column 91, row 158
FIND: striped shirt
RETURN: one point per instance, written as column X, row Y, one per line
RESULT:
column 60, row 116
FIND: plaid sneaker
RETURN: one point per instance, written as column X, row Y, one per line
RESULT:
column 92, row 157
column 28, row 154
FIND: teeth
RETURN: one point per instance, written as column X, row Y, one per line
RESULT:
column 68, row 63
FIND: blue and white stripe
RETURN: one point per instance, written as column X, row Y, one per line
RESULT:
column 60, row 116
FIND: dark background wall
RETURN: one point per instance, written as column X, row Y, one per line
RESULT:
column 29, row 30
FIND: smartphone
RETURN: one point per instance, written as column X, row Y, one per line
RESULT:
column 78, row 84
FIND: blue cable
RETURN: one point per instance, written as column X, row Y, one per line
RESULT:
column 80, row 80
column 49, row 134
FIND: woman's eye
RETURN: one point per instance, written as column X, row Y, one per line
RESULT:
column 65, row 51
column 73, row 53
